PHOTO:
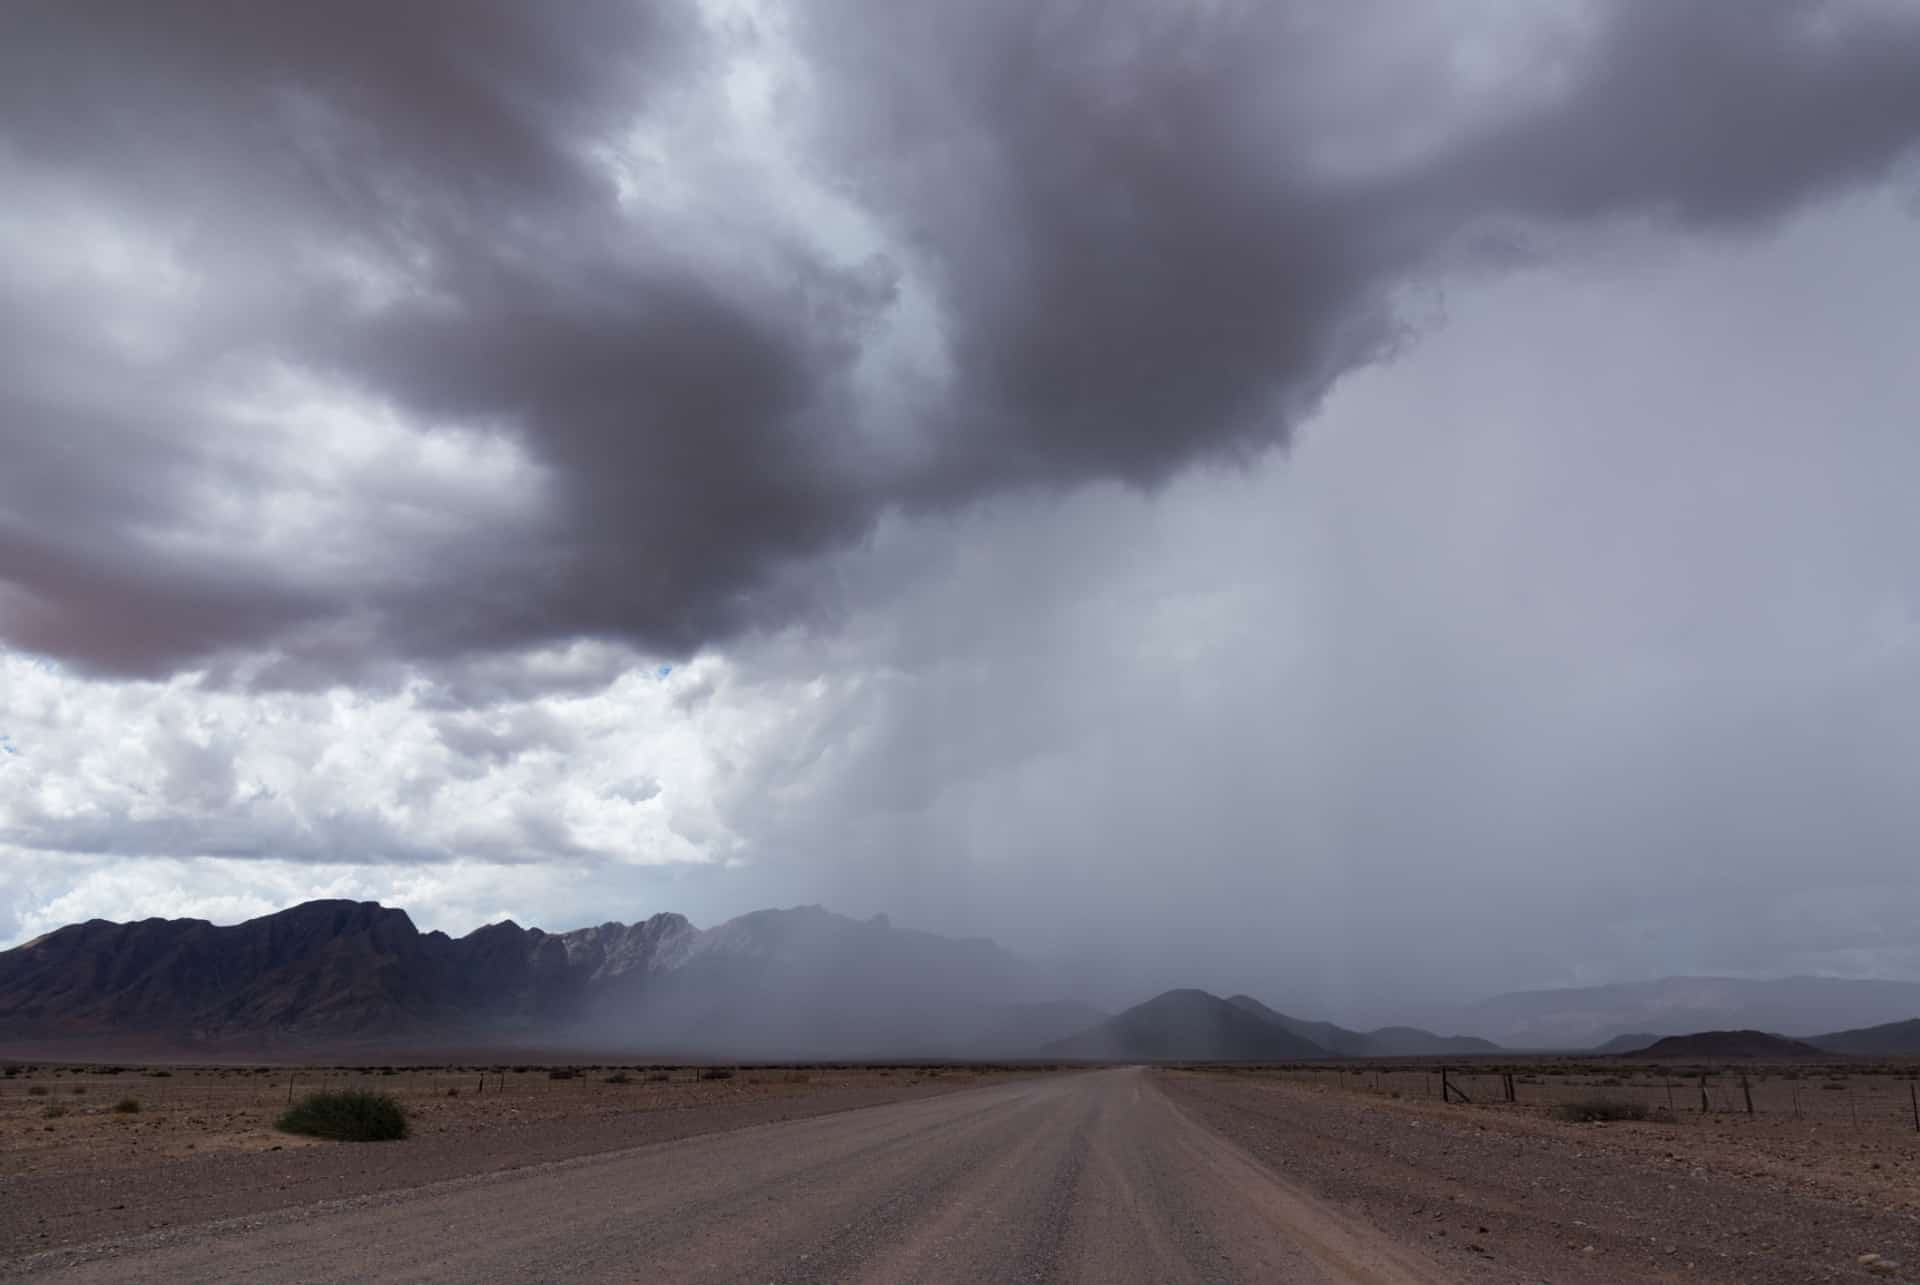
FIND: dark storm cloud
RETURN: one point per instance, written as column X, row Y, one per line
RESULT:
column 1145, row 234
column 1147, row 243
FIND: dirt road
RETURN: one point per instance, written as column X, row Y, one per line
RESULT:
column 1094, row 1177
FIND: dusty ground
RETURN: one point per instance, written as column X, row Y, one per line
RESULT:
column 1507, row 1193
column 1319, row 1174
column 1092, row 1177
column 203, row 1146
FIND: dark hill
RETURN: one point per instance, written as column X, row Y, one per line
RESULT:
column 1633, row 1043
column 1387, row 1041
column 1411, row 1041
column 1337, row 1040
column 1892, row 1039
column 1715, row 1045
column 1186, row 1026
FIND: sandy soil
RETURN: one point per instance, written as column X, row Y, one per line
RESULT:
column 1507, row 1193
column 1306, row 1175
column 1094, row 1177
column 203, row 1146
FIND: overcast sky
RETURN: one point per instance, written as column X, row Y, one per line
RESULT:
column 1365, row 503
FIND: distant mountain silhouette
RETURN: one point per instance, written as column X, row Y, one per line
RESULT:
column 795, row 983
column 1890, row 1039
column 1630, row 1043
column 1187, row 1026
column 1337, row 1040
column 1582, row 1017
column 1715, row 1045
column 1019, row 1030
column 1387, row 1041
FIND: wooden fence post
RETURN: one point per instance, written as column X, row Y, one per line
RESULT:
column 1705, row 1105
column 1747, row 1090
column 1913, row 1096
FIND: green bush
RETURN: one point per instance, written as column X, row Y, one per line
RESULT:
column 352, row 1115
column 1596, row 1110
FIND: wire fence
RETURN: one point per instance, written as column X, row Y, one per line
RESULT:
column 1878, row 1097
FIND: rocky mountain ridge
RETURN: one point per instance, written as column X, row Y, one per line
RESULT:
column 327, row 972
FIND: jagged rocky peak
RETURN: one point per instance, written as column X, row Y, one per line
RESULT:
column 613, row 949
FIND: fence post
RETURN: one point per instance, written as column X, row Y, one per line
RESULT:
column 1747, row 1090
column 1914, row 1097
column 1705, row 1105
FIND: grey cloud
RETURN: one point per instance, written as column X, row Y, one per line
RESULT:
column 253, row 828
column 1125, row 219
column 491, row 739
column 642, row 789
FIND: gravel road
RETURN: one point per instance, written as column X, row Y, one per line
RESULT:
column 1092, row 1177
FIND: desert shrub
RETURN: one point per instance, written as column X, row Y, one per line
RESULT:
column 1610, row 1082
column 54, row 1112
column 38, row 1090
column 79, row 1090
column 1835, row 1086
column 127, row 1106
column 352, row 1115
column 659, row 1077
column 453, row 1092
column 12, row 1071
column 717, row 1073
column 159, row 1075
column 1594, row 1110
column 619, row 1077
column 799, row 1077
column 560, row 1073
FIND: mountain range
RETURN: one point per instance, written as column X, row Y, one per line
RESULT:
column 801, row 983
column 793, row 983
column 1583, row 1017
